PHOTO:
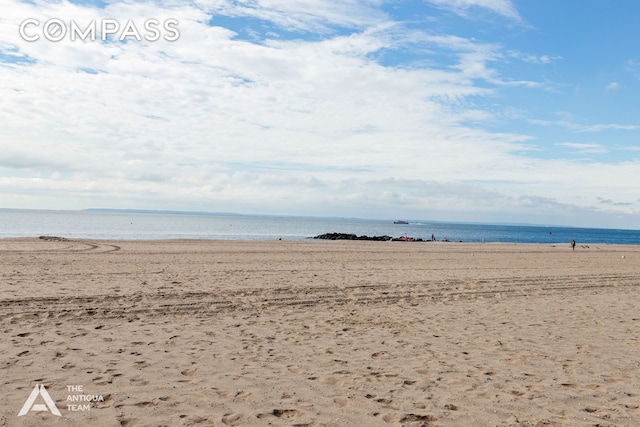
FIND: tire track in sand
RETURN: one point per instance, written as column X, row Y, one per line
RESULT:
column 209, row 303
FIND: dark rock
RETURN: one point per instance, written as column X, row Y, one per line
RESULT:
column 348, row 236
column 54, row 238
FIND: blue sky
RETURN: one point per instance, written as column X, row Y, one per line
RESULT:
column 462, row 110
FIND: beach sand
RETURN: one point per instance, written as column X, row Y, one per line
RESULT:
column 315, row 333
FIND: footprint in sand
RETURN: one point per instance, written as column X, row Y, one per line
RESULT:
column 101, row 380
column 384, row 401
column 138, row 381
column 281, row 413
column 341, row 401
column 232, row 419
column 294, row 369
column 141, row 364
column 221, row 393
column 144, row 404
column 198, row 420
column 420, row 420
column 189, row 372
column 332, row 381
column 4, row 364
column 391, row 418
column 108, row 401
column 241, row 395
column 408, row 418
column 286, row 413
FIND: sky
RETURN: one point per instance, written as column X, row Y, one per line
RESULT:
column 513, row 111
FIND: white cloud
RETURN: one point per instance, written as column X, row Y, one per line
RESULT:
column 585, row 148
column 302, row 15
column 601, row 127
column 534, row 59
column 504, row 8
column 315, row 126
column 613, row 86
column 576, row 127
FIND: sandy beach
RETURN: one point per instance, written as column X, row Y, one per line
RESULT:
column 315, row 333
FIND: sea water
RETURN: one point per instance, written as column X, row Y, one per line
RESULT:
column 125, row 225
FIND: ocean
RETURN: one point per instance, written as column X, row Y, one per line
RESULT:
column 131, row 225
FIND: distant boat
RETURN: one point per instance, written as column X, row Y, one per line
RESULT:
column 399, row 221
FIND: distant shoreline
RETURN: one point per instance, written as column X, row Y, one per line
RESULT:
column 33, row 241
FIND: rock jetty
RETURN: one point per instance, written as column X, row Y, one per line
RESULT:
column 347, row 236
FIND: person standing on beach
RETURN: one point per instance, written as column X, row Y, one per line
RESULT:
column 573, row 245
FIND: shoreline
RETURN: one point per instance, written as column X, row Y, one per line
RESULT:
column 579, row 245
column 112, row 226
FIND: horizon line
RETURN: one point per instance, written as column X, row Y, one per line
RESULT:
column 212, row 213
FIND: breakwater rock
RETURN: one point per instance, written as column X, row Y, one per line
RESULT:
column 347, row 236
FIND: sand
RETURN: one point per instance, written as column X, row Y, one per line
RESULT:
column 313, row 333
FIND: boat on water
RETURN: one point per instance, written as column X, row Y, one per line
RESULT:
column 400, row 221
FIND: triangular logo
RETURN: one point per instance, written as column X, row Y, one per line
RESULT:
column 31, row 405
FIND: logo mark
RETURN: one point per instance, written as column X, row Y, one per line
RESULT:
column 31, row 405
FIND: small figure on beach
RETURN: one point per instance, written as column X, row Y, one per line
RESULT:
column 433, row 238
column 573, row 245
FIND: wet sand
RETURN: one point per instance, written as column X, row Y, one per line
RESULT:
column 313, row 333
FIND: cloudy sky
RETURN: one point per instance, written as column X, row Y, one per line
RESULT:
column 462, row 110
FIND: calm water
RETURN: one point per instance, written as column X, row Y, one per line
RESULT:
column 137, row 226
